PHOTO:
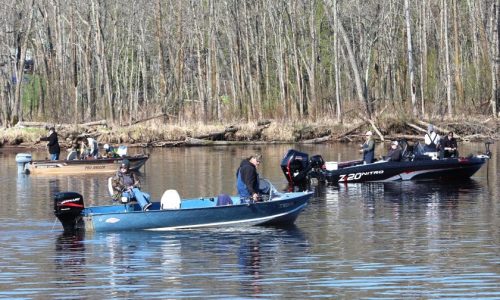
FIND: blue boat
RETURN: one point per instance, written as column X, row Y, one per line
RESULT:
column 173, row 213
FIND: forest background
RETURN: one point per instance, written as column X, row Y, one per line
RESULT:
column 203, row 65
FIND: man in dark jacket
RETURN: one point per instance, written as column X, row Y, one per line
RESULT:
column 53, row 144
column 247, row 178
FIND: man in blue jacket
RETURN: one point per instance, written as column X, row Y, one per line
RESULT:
column 247, row 178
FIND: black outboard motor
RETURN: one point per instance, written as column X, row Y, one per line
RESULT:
column 295, row 165
column 68, row 207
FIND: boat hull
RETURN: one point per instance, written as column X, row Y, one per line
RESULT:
column 456, row 168
column 85, row 166
column 280, row 211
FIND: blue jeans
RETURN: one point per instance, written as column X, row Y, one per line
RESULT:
column 140, row 197
column 54, row 156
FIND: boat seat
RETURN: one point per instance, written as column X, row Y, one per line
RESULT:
column 110, row 186
column 170, row 200
column 224, row 199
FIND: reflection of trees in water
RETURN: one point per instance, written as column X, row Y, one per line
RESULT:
column 69, row 259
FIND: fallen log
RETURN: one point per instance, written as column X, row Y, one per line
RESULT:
column 217, row 135
column 150, row 118
column 34, row 124
column 344, row 134
column 317, row 140
column 197, row 142
column 96, row 123
column 373, row 126
column 438, row 129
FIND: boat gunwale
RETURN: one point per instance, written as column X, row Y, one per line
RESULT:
column 85, row 212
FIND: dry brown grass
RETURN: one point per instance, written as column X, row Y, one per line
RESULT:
column 280, row 131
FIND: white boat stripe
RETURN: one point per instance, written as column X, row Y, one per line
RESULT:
column 256, row 220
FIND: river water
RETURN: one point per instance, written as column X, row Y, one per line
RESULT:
column 379, row 240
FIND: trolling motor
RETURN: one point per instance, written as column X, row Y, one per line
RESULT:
column 68, row 207
column 297, row 167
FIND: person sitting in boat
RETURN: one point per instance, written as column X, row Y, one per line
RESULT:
column 247, row 178
column 126, row 184
column 53, row 144
column 368, row 148
column 110, row 151
column 394, row 153
column 431, row 140
column 449, row 145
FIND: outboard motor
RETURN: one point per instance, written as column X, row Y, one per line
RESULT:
column 22, row 159
column 317, row 162
column 68, row 207
column 295, row 165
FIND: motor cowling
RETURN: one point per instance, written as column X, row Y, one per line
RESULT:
column 22, row 159
column 68, row 207
column 295, row 165
column 317, row 162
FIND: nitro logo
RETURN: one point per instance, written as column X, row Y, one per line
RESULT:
column 70, row 200
column 357, row 176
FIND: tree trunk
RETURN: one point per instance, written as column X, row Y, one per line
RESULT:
column 410, row 59
column 357, row 79
column 447, row 58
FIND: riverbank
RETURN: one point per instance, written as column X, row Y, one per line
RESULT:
column 156, row 134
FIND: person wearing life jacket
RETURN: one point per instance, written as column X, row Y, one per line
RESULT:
column 247, row 178
column 432, row 140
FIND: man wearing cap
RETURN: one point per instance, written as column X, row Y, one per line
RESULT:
column 431, row 140
column 394, row 153
column 53, row 144
column 126, row 184
column 368, row 148
column 247, row 178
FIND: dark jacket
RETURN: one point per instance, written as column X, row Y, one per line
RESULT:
column 247, row 181
column 122, row 181
column 449, row 143
column 394, row 154
column 53, row 143
column 369, row 151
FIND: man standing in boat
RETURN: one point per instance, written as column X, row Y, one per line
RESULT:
column 126, row 184
column 368, row 148
column 53, row 144
column 247, row 178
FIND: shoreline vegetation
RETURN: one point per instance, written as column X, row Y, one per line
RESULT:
column 154, row 133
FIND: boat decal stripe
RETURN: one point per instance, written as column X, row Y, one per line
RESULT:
column 255, row 220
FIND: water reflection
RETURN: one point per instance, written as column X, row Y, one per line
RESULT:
column 129, row 260
column 69, row 260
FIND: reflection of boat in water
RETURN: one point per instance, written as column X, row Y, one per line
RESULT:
column 173, row 213
column 298, row 168
column 77, row 166
column 443, row 192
